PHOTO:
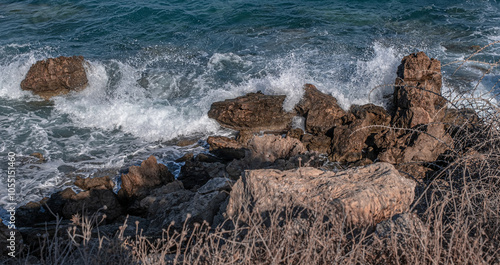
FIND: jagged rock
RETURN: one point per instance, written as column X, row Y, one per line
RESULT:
column 99, row 183
column 56, row 76
column 216, row 184
column 142, row 178
column 417, row 94
column 195, row 173
column 93, row 202
column 296, row 133
column 321, row 111
column 174, row 205
column 252, row 112
column 355, row 139
column 424, row 146
column 226, row 148
column 318, row 143
column 57, row 200
column 364, row 195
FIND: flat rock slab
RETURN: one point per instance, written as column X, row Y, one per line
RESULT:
column 361, row 196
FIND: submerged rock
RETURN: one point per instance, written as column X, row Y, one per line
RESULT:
column 364, row 195
column 56, row 76
column 252, row 112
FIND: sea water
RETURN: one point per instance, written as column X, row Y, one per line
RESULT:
column 155, row 68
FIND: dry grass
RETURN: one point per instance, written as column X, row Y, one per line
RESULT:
column 455, row 219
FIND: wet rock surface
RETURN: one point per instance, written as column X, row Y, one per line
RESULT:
column 56, row 76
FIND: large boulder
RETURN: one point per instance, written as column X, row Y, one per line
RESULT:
column 320, row 110
column 142, row 178
column 252, row 112
column 56, row 76
column 364, row 195
column 417, row 94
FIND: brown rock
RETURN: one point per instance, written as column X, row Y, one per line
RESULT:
column 356, row 138
column 263, row 151
column 56, row 76
column 142, row 178
column 268, row 148
column 93, row 202
column 99, row 183
column 296, row 133
column 424, row 146
column 226, row 148
column 364, row 195
column 318, row 143
column 417, row 90
column 321, row 111
column 252, row 112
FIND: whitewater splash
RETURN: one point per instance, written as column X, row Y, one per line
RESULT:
column 140, row 106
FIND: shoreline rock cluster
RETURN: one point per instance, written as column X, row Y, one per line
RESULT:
column 269, row 162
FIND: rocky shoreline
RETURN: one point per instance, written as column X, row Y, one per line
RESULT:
column 363, row 163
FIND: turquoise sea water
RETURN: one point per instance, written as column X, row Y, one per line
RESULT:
column 156, row 67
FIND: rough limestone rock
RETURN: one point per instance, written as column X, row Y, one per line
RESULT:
column 99, row 183
column 417, row 94
column 252, row 112
column 142, row 178
column 321, row 111
column 263, row 151
column 418, row 105
column 56, row 76
column 355, row 139
column 226, row 148
column 364, row 195
column 93, row 201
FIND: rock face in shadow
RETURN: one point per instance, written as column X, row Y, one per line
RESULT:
column 173, row 205
column 363, row 195
column 142, row 178
column 91, row 202
column 56, row 76
column 252, row 112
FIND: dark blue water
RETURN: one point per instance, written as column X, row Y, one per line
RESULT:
column 156, row 67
